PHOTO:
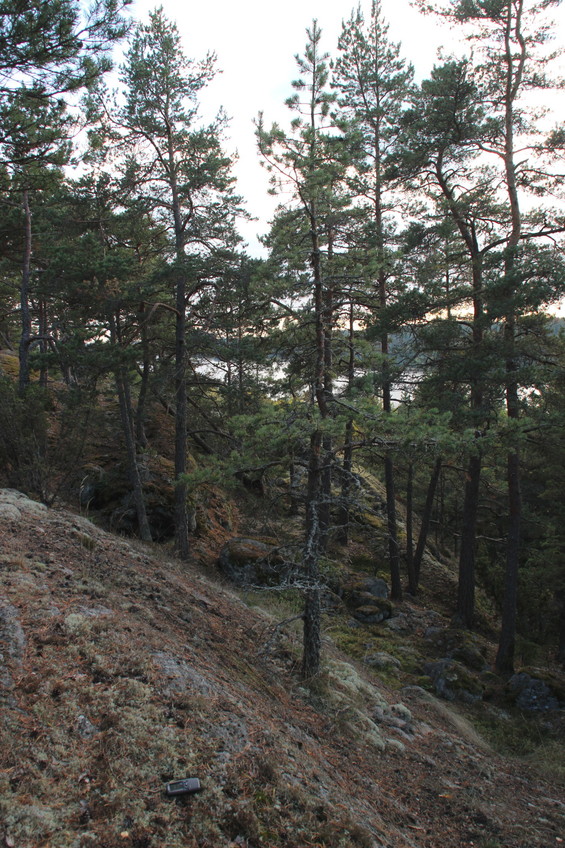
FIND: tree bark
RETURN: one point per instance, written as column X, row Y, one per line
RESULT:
column 44, row 373
column 426, row 519
column 465, row 612
column 135, row 478
column 393, row 555
column 560, row 657
column 412, row 581
column 505, row 655
column 515, row 52
column 312, row 607
column 182, row 542
column 126, row 414
column 344, row 511
column 25, row 338
column 140, row 410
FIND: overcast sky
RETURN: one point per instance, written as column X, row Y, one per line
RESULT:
column 256, row 41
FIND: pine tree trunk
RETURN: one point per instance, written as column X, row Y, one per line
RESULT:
column 465, row 612
column 393, row 556
column 135, row 478
column 326, row 492
column 515, row 53
column 560, row 657
column 126, row 415
column 312, row 611
column 505, row 656
column 426, row 520
column 181, row 420
column 140, row 411
column 293, row 489
column 327, row 466
column 25, row 311
column 182, row 543
column 412, row 581
column 344, row 511
column 44, row 373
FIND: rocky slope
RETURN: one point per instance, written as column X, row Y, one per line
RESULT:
column 121, row 670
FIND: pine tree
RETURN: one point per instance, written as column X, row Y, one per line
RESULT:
column 374, row 82
column 56, row 47
column 35, row 148
column 308, row 161
column 486, row 207
column 179, row 171
column 47, row 51
column 510, row 39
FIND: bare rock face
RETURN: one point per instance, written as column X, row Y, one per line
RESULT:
column 247, row 561
column 12, row 644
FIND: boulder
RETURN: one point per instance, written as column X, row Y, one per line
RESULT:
column 453, row 682
column 536, row 694
column 357, row 591
column 374, row 612
column 14, row 506
column 382, row 661
column 458, row 645
column 247, row 561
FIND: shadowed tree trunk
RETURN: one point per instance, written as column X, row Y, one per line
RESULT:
column 426, row 520
column 412, row 581
column 344, row 511
column 127, row 417
column 312, row 607
column 25, row 338
column 466, row 583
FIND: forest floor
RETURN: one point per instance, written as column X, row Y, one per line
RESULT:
column 124, row 669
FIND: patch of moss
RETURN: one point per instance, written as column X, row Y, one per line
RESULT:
column 373, row 520
column 350, row 640
column 362, row 562
column 512, row 733
column 85, row 541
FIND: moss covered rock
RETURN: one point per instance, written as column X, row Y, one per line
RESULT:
column 374, row 612
column 461, row 645
column 454, row 682
column 537, row 690
column 247, row 561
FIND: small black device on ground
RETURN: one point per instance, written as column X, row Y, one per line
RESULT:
column 187, row 786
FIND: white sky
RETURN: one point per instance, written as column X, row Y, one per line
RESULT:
column 256, row 41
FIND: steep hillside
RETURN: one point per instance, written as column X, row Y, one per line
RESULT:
column 121, row 670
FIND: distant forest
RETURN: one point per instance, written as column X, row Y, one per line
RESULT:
column 403, row 322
